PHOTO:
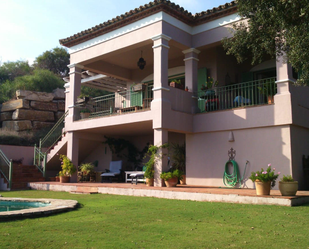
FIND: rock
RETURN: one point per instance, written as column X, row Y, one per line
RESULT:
column 17, row 125
column 61, row 106
column 39, row 125
column 46, row 106
column 22, row 114
column 6, row 116
column 59, row 93
column 38, row 96
column 12, row 105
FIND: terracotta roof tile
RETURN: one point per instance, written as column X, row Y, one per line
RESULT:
column 146, row 10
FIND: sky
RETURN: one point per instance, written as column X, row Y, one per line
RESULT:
column 28, row 28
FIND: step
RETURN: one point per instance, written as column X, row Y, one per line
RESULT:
column 83, row 193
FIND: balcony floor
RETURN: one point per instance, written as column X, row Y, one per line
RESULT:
column 181, row 192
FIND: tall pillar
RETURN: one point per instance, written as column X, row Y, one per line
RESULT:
column 191, row 68
column 72, row 151
column 191, row 75
column 284, row 76
column 160, row 137
column 161, row 102
column 73, row 91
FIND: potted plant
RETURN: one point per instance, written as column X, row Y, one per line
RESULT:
column 67, row 169
column 287, row 186
column 179, row 159
column 87, row 169
column 149, row 173
column 264, row 180
column 171, row 178
column 268, row 89
column 84, row 113
column 209, row 86
column 176, row 83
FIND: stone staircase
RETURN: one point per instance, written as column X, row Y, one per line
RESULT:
column 22, row 174
column 57, row 147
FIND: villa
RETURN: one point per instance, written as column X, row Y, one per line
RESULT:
column 155, row 61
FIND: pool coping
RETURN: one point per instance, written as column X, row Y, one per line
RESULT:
column 56, row 206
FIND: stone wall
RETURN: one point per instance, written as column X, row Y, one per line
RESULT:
column 32, row 110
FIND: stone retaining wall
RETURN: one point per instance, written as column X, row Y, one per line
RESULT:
column 32, row 110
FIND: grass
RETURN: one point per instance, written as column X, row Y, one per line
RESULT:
column 109, row 221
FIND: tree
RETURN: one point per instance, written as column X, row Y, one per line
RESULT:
column 41, row 80
column 272, row 28
column 11, row 70
column 55, row 60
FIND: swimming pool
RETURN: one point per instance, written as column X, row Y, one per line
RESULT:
column 29, row 207
column 14, row 205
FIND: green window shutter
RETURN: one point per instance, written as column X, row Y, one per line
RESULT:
column 136, row 98
column 201, row 78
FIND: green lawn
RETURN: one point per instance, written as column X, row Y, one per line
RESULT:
column 109, row 221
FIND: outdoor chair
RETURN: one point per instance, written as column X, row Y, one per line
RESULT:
column 136, row 176
column 113, row 171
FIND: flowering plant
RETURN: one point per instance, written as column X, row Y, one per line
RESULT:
column 209, row 84
column 265, row 175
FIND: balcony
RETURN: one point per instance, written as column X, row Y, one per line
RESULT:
column 137, row 99
column 252, row 93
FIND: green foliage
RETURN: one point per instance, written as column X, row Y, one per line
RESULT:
column 85, row 111
column 87, row 168
column 153, row 154
column 124, row 148
column 55, row 60
column 41, row 80
column 265, row 175
column 209, row 84
column 87, row 91
column 10, row 70
column 274, row 28
column 287, row 178
column 172, row 174
column 179, row 156
column 67, row 166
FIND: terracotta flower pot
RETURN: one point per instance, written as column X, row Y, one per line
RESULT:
column 183, row 181
column 149, row 182
column 171, row 182
column 84, row 115
column 64, row 179
column 262, row 188
column 288, row 188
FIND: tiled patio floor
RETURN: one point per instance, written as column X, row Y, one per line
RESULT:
column 182, row 192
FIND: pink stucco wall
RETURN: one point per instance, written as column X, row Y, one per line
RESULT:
column 208, row 153
column 19, row 152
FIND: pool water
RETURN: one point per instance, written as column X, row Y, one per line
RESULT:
column 6, row 206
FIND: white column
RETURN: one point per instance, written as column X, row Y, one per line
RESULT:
column 73, row 91
column 191, row 75
column 160, row 137
column 191, row 68
column 284, row 76
column 72, row 151
column 161, row 102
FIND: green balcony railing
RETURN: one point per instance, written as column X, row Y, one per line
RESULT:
column 6, row 168
column 122, row 102
column 51, row 138
column 257, row 92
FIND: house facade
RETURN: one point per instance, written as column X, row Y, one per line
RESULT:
column 256, row 110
